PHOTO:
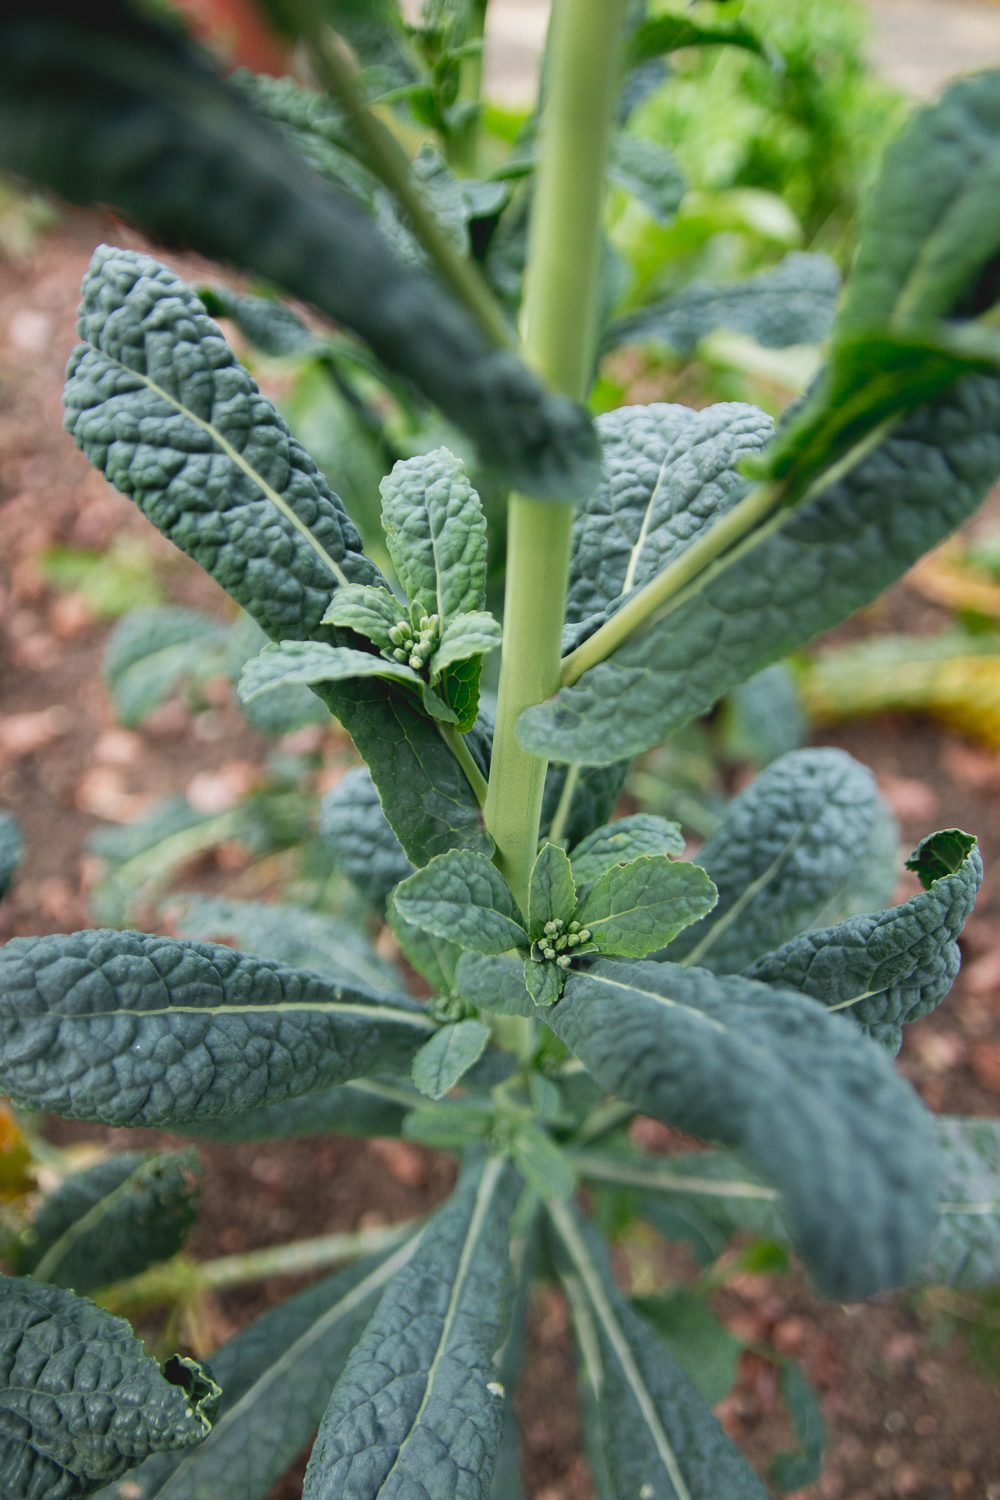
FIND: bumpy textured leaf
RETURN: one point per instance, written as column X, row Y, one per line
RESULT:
column 418, row 1408
column 276, row 1377
column 109, row 107
column 965, row 1245
column 649, row 172
column 473, row 634
column 291, row 934
column 129, row 1028
column 822, row 560
column 813, row 1105
column 290, row 663
column 647, row 1430
column 180, row 450
column 348, row 1108
column 631, row 909
column 11, row 845
column 495, row 984
column 464, row 898
column 669, row 473
column 623, row 840
column 432, row 956
column 785, row 853
column 448, row 1056
column 354, row 827
column 551, row 889
column 929, row 230
column 369, row 611
column 888, row 967
column 436, row 534
column 113, row 1220
column 793, row 304
column 81, row 1402
column 151, row 651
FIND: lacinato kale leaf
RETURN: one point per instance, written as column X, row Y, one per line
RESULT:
column 812, row 1105
column 130, row 1028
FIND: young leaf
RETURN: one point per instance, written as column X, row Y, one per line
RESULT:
column 419, row 1393
column 370, row 611
column 495, row 984
column 632, row 909
column 129, row 1028
column 290, row 934
column 436, row 534
column 647, row 1429
column 543, row 982
column 278, row 541
column 289, row 662
column 889, row 967
column 357, row 1108
column 669, row 473
column 151, row 651
column 450, row 1126
column 357, row 833
column 544, row 1166
column 113, row 108
column 786, row 850
column 113, row 1219
column 434, row 957
column 803, row 573
column 465, row 636
column 448, row 1056
column 650, row 172
column 276, row 1378
column 965, row 1244
column 464, row 898
column 766, row 1070
column 551, row 891
column 792, row 304
column 621, row 841
column 794, row 1470
column 701, row 1345
column 83, row 1401
column 11, row 846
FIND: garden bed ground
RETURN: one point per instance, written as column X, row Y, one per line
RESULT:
column 909, row 1415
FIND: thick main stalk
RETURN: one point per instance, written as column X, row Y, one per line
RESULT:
column 560, row 323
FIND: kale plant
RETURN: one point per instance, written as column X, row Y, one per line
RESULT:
column 582, row 971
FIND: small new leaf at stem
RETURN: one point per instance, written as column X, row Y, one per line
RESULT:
column 370, row 611
column 443, row 1060
column 621, row 841
column 543, row 981
column 629, row 909
column 473, row 634
column 541, row 1163
column 432, row 956
column 420, row 1389
column 463, row 897
column 763, row 1070
column 436, row 534
column 313, row 662
column 495, row 984
column 551, row 891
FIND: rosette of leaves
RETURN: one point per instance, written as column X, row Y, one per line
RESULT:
column 612, row 896
column 436, row 533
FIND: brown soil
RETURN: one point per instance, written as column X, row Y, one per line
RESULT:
column 909, row 1416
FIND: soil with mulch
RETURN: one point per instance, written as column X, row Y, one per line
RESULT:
column 909, row 1415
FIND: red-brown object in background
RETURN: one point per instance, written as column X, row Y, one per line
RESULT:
column 238, row 31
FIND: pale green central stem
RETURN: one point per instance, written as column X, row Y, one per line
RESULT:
column 560, row 319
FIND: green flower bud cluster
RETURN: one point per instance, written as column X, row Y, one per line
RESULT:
column 556, row 941
column 414, row 646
